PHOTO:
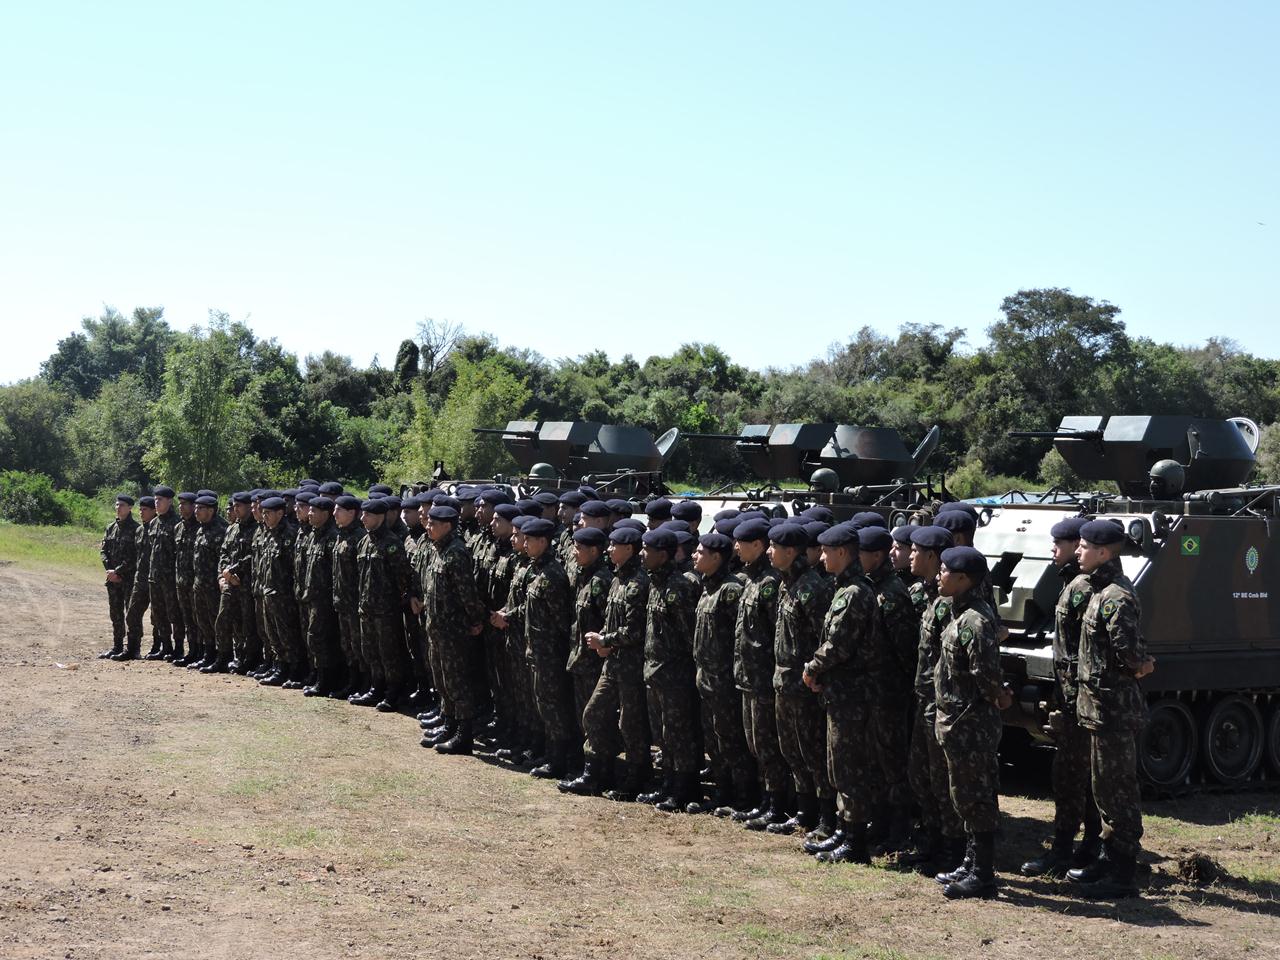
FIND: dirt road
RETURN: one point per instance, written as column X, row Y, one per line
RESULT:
column 150, row 811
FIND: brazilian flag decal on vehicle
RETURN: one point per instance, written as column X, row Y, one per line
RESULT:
column 1191, row 546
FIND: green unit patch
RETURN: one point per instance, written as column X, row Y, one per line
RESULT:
column 1190, row 546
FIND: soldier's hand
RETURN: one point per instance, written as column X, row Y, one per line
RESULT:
column 603, row 652
column 498, row 619
column 476, row 630
column 593, row 640
column 235, row 580
column 113, row 577
column 1002, row 634
column 1145, row 668
column 415, row 605
column 1005, row 699
column 811, row 682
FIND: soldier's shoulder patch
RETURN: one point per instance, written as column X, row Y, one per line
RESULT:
column 1077, row 597
column 940, row 611
column 732, row 590
column 673, row 596
column 840, row 602
column 597, row 586
column 888, row 603
column 392, row 548
column 966, row 635
column 804, row 594
column 1109, row 609
column 767, row 590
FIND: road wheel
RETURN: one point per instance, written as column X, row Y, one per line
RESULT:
column 1232, row 739
column 1167, row 745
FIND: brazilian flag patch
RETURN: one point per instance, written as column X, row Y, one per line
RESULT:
column 1190, row 546
column 839, row 603
column 1077, row 597
column 597, row 588
column 766, row 591
column 966, row 636
column 1109, row 609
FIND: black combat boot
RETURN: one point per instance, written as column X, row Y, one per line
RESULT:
column 535, row 752
column 774, row 812
column 461, row 743
column 275, row 678
column 852, row 849
column 370, row 697
column 440, row 734
column 595, row 778
column 157, row 650
column 1054, row 862
column 297, row 677
column 320, row 688
column 826, row 825
column 721, row 799
column 390, row 703
column 805, row 818
column 981, row 880
column 744, row 798
column 899, row 828
column 924, row 849
column 557, row 764
column 634, row 777
column 180, row 657
column 219, row 665
column 1118, row 882
column 958, row 873
column 1094, row 871
column 130, row 652
column 685, row 787
column 117, row 647
column 1088, row 849
column 661, row 792
column 757, row 807
column 814, row 847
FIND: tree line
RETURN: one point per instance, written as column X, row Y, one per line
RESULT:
column 128, row 400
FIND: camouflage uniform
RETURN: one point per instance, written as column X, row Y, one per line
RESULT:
column 184, row 538
column 279, row 606
column 119, row 552
column 206, row 552
column 899, row 637
column 1072, row 795
column 317, row 593
column 849, row 665
column 300, row 544
column 140, row 595
column 166, row 620
column 591, row 589
column 236, row 625
column 753, row 666
column 1110, row 704
column 385, row 579
column 417, row 547
column 927, row 764
column 669, row 667
column 499, row 563
column 967, row 682
column 346, row 599
column 257, row 550
column 517, row 665
column 452, row 608
column 616, row 715
column 484, row 556
column 802, row 722
column 548, row 606
column 714, row 629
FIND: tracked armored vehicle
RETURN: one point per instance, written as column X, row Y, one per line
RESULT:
column 1204, row 558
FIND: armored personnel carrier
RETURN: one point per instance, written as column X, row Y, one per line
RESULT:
column 1204, row 557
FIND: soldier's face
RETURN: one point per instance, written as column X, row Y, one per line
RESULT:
column 585, row 556
column 707, row 562
column 147, row 513
column 749, row 551
column 600, row 523
column 900, row 554
column 501, row 528
column 272, row 518
column 924, row 563
column 536, row 546
column 122, row 509
column 438, row 529
column 1064, row 551
column 871, row 559
column 620, row 553
column 952, row 584
column 256, row 510
column 566, row 513
column 1092, row 555
column 484, row 514
column 240, row 510
column 318, row 518
column 371, row 521
column 782, row 558
column 653, row 559
column 836, row 560
column 813, row 554
column 344, row 515
column 301, row 511
column 517, row 540
column 412, row 516
column 186, row 510
column 163, row 504
column 204, row 514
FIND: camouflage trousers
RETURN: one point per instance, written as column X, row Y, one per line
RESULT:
column 927, row 774
column 760, row 724
column 415, row 638
column 322, row 636
column 304, row 628
column 553, row 694
column 616, row 718
column 890, row 730
column 187, row 618
column 677, row 717
column 802, row 734
column 498, row 675
column 724, row 734
column 1113, row 762
column 1072, row 791
column 166, row 618
column 382, row 646
column 204, row 611
column 455, row 678
column 264, row 632
column 851, row 758
column 974, row 770
column 139, row 600
column 584, row 685
column 118, row 604
column 523, row 703
column 281, row 615
column 236, row 628
column 349, row 638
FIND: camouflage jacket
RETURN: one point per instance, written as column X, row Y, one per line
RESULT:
column 385, row 576
column 564, row 547
column 449, row 590
column 497, row 582
column 714, row 630
column 206, row 552
column 161, row 566
column 276, row 560
column 300, row 545
column 142, row 552
column 899, row 634
column 967, row 680
column 668, row 628
column 119, row 547
column 802, row 604
column 237, row 551
column 346, row 570
column 908, row 578
column 417, row 547
column 849, row 660
column 624, row 622
column 1068, row 616
column 591, row 588
column 517, row 584
column 756, row 627
column 548, row 612
column 184, row 541
column 934, row 610
column 257, row 551
column 1111, row 648
column 317, row 566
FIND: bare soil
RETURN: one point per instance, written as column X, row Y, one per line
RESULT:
column 150, row 811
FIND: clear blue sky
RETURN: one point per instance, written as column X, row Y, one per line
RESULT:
column 765, row 176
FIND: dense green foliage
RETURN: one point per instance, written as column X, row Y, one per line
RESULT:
column 32, row 498
column 128, row 401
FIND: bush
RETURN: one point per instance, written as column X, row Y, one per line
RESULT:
column 31, row 498
column 972, row 480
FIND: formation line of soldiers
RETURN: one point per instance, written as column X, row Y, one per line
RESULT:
column 835, row 679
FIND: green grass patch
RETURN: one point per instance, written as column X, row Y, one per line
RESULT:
column 255, row 786
column 42, row 546
column 353, row 794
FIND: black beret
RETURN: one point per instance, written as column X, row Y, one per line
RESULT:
column 573, row 498
column 546, row 498
column 631, row 522
column 936, row 539
column 538, row 527
column 519, row 521
column 393, row 502
column 814, row 528
column 840, row 535
column 687, row 509
column 752, row 530
column 331, row 488
column 147, row 502
column 376, row 495
column 507, row 511
column 590, row 537
column 321, row 503
column 412, row 502
column 163, row 492
column 308, row 482
column 373, row 505
column 589, row 491
column 187, row 496
column 257, row 496
column 381, row 488
column 660, row 540
column 271, row 493
column 273, row 503
column 206, row 500
column 1102, row 533
column 728, row 525
column 779, row 521
column 872, row 539
column 530, row 508
column 618, row 505
column 902, row 533
column 869, row 518
column 241, row 496
column 124, row 498
column 202, row 492
column 818, row 512
column 965, row 560
column 291, row 492
column 957, row 521
column 716, row 541
column 1068, row 529
column 595, row 508
column 493, row 496
column 304, row 496
column 685, row 539
column 466, row 494
column 628, row 536
column 310, row 485
column 726, row 514
column 444, row 500
column 960, row 505
column 443, row 512
column 347, row 502
column 659, row 509
column 789, row 535
column 674, row 525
